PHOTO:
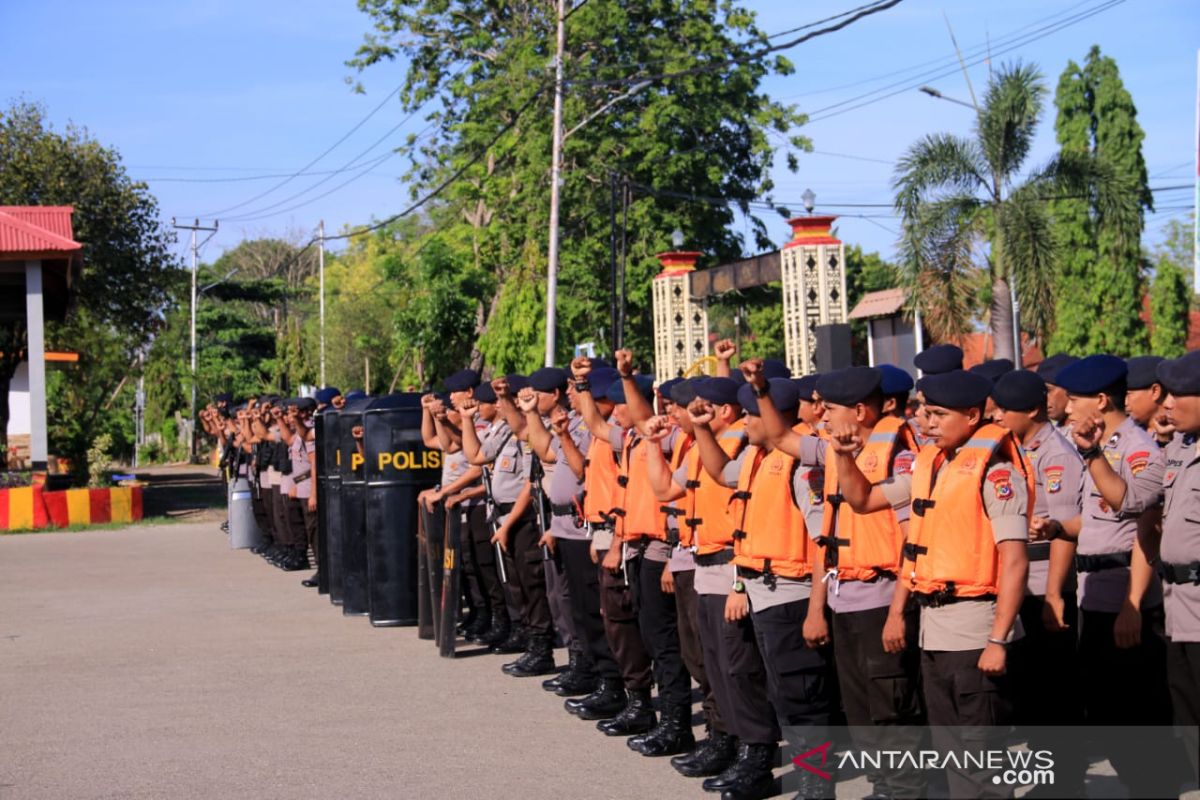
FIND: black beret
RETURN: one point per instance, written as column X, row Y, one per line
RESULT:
column 683, row 391
column 895, row 380
column 738, row 377
column 806, row 385
column 993, row 369
column 1143, row 371
column 600, row 363
column 1019, row 390
column 601, row 379
column 644, row 383
column 956, row 389
column 305, row 404
column 664, row 388
column 357, row 394
column 784, row 395
column 848, row 386
column 1093, row 375
column 774, row 368
column 484, row 393
column 225, row 397
column 325, row 396
column 939, row 358
column 1048, row 370
column 1181, row 376
column 548, row 379
column 462, row 380
column 721, row 391
column 516, row 382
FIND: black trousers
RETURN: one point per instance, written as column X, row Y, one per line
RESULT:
column 258, row 505
column 279, row 523
column 967, row 711
column 621, row 629
column 527, row 576
column 687, row 612
column 558, row 598
column 583, row 589
column 659, row 625
column 1183, row 677
column 739, row 679
column 800, row 683
column 881, row 691
column 484, row 559
column 294, row 511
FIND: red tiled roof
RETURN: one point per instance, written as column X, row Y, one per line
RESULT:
column 33, row 230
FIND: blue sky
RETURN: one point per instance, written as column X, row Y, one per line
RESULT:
column 210, row 90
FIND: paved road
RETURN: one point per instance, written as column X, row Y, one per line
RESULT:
column 153, row 662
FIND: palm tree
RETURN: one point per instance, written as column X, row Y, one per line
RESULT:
column 972, row 228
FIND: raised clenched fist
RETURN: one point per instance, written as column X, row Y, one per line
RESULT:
column 701, row 411
column 659, row 428
column 844, row 440
column 500, row 387
column 581, row 367
column 469, row 407
column 427, row 400
column 752, row 370
column 527, row 400
column 1087, row 432
column 560, row 420
column 725, row 350
column 624, row 360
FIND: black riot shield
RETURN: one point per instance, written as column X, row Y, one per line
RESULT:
column 424, row 606
column 329, row 504
column 433, row 524
column 355, row 600
column 322, row 490
column 398, row 467
column 451, row 599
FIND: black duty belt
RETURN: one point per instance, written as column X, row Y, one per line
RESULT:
column 714, row 559
column 562, row 509
column 1038, row 551
column 1180, row 573
column 946, row 597
column 606, row 525
column 1102, row 561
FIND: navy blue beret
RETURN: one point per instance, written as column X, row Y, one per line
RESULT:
column 225, row 397
column 1048, row 370
column 601, row 379
column 806, row 385
column 783, row 392
column 939, row 358
column 325, row 396
column 683, row 391
column 1181, row 376
column 774, row 368
column 1143, row 371
column 895, row 380
column 738, row 377
column 956, row 389
column 666, row 386
column 357, row 394
column 516, row 382
column 1093, row 375
column 462, row 380
column 548, row 379
column 848, row 386
column 718, row 390
column 484, row 393
column 1019, row 390
column 644, row 383
column 993, row 369
column 600, row 363
column 306, row 404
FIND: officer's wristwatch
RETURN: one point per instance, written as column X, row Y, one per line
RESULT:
column 739, row 586
column 764, row 391
column 1095, row 451
column 583, row 385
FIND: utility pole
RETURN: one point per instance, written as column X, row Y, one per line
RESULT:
column 556, row 158
column 195, row 226
column 321, row 279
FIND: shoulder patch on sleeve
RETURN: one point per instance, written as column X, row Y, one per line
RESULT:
column 903, row 465
column 1001, row 481
column 1138, row 461
column 1054, row 479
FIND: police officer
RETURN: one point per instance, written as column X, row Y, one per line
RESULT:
column 895, row 384
column 935, row 360
column 1056, row 396
column 1144, row 397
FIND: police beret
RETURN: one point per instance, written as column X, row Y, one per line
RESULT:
column 848, row 386
column 516, row 382
column 721, row 391
column 939, row 358
column 1093, row 375
column 1143, row 371
column 1181, row 376
column 644, row 383
column 895, row 380
column 548, row 379
column 783, row 392
column 683, row 392
column 224, row 397
column 956, row 389
column 305, row 404
column 664, row 388
column 601, row 379
column 737, row 377
column 325, row 396
column 1019, row 390
column 601, row 363
column 1048, row 370
column 774, row 368
column 462, row 380
column 806, row 385
column 484, row 393
column 355, row 395
column 993, row 369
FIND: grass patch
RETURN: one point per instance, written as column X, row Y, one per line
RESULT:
column 101, row 526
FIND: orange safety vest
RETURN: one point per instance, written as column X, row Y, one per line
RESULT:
column 769, row 532
column 706, row 524
column 950, row 548
column 638, row 510
column 861, row 547
column 599, row 482
column 683, row 446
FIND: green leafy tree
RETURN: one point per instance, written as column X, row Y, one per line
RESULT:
column 1171, row 295
column 675, row 142
column 974, row 227
column 1100, row 273
column 128, row 271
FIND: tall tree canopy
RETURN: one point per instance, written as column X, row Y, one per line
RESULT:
column 1171, row 293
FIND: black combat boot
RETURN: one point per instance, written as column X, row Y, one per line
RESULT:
column 538, row 659
column 636, row 717
column 712, row 756
column 748, row 777
column 604, row 703
column 573, row 657
column 312, row 582
column 672, row 735
column 499, row 631
column 298, row 560
column 810, row 787
column 515, row 643
column 479, row 627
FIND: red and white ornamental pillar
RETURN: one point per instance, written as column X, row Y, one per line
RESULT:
column 680, row 321
column 814, row 288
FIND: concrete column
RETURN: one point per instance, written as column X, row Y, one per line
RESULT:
column 36, row 352
column 680, row 320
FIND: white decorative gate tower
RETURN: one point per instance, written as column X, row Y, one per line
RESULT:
column 680, row 321
column 814, row 288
